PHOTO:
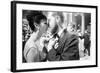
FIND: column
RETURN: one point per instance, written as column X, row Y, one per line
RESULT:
column 83, row 24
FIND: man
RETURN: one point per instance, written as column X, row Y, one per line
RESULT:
column 87, row 40
column 65, row 47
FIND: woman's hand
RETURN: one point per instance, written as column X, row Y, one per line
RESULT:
column 52, row 42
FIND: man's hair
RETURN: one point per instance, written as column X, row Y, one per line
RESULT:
column 35, row 17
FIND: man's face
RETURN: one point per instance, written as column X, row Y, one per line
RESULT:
column 52, row 24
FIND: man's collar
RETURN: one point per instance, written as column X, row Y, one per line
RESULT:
column 61, row 31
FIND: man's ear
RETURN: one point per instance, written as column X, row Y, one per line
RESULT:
column 57, row 19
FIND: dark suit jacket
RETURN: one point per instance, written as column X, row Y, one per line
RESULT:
column 67, row 49
column 87, row 42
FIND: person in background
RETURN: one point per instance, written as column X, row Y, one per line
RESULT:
column 65, row 47
column 87, row 40
column 33, row 51
column 71, row 28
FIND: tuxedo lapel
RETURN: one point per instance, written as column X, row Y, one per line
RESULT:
column 62, row 39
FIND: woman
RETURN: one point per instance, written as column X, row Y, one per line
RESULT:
column 33, row 50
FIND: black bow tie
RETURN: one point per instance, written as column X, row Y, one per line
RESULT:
column 81, row 37
column 56, row 35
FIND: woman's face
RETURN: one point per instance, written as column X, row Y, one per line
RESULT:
column 43, row 27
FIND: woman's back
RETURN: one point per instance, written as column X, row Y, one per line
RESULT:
column 31, row 49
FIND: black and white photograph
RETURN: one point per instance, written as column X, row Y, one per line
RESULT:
column 50, row 36
column 55, row 36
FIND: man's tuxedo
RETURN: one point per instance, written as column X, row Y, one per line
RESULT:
column 67, row 49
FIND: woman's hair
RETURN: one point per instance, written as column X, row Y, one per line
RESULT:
column 35, row 17
column 38, row 18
